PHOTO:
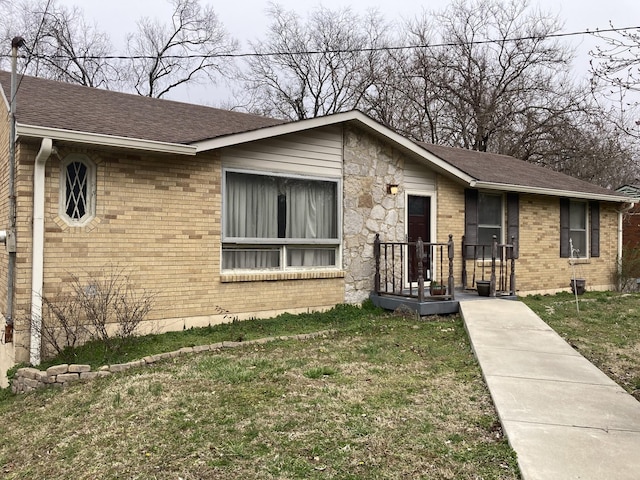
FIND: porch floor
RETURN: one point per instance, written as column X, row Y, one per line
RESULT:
column 431, row 305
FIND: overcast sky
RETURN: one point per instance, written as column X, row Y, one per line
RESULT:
column 247, row 20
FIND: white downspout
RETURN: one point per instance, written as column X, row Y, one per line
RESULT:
column 37, row 264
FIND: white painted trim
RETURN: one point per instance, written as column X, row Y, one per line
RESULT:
column 502, row 187
column 421, row 154
column 283, row 243
column 587, row 229
column 37, row 268
column 274, row 131
column 433, row 214
column 32, row 131
column 433, row 220
column 503, row 213
column 351, row 116
column 354, row 116
column 91, row 189
column 6, row 100
column 619, row 243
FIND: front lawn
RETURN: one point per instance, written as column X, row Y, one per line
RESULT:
column 606, row 330
column 382, row 397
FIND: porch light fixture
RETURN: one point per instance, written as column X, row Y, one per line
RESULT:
column 392, row 189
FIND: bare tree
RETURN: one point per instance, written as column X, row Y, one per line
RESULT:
column 61, row 45
column 321, row 65
column 584, row 144
column 484, row 75
column 192, row 47
column 617, row 60
column 406, row 94
column 615, row 68
column 497, row 64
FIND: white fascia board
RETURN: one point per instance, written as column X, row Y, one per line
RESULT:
column 505, row 187
column 31, row 131
column 274, row 131
column 351, row 116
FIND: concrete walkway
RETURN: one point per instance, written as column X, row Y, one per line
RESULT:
column 564, row 418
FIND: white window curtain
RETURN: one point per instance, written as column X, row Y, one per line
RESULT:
column 251, row 211
column 270, row 209
column 311, row 213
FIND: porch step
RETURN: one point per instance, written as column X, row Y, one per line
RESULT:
column 430, row 307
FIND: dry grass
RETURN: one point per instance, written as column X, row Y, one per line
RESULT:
column 382, row 398
column 605, row 330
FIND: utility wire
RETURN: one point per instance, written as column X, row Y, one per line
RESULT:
column 46, row 9
column 353, row 50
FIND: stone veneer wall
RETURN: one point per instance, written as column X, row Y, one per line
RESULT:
column 369, row 166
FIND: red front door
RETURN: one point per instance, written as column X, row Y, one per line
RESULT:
column 419, row 226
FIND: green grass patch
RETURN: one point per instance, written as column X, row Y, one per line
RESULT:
column 605, row 330
column 134, row 348
column 382, row 397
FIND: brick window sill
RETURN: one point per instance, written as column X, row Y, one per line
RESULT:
column 579, row 261
column 280, row 276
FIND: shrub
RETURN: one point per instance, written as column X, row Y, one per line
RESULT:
column 62, row 328
column 628, row 269
column 106, row 309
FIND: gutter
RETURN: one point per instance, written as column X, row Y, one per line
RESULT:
column 37, row 264
column 549, row 191
column 33, row 131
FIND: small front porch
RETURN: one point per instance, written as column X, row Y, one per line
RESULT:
column 419, row 276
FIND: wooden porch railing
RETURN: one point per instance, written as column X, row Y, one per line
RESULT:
column 498, row 267
column 403, row 267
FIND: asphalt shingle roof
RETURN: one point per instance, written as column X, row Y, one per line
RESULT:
column 502, row 169
column 47, row 103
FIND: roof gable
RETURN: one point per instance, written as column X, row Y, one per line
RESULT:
column 632, row 191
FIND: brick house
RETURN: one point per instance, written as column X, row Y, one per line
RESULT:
column 219, row 211
column 631, row 220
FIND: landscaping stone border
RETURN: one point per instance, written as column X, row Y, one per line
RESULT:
column 28, row 379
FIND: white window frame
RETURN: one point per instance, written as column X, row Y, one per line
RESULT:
column 282, row 244
column 585, row 254
column 90, row 200
column 486, row 225
column 433, row 217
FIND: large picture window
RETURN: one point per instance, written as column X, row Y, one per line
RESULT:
column 77, row 188
column 273, row 222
